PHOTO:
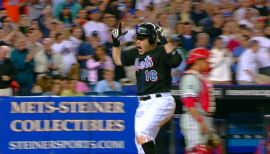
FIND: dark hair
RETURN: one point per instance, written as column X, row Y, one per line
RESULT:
column 246, row 37
column 218, row 38
column 3, row 18
column 95, row 57
column 95, row 33
column 57, row 35
column 57, row 77
column 73, row 27
column 252, row 43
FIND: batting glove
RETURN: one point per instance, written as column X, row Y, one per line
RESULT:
column 161, row 35
column 117, row 35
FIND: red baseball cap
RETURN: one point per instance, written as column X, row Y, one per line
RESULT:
column 197, row 53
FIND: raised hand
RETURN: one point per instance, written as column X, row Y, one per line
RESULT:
column 160, row 31
column 161, row 35
column 117, row 35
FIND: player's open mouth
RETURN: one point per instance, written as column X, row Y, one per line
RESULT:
column 140, row 48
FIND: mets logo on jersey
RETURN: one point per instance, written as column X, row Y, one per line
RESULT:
column 149, row 74
column 147, row 62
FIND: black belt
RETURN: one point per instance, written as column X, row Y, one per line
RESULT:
column 147, row 97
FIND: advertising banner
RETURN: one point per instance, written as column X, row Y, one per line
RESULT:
column 67, row 125
column 236, row 92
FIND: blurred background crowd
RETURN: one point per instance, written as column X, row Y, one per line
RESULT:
column 64, row 47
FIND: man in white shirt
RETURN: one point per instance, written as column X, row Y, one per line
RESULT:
column 263, row 41
column 264, row 61
column 94, row 24
column 264, row 52
column 66, row 49
column 248, row 64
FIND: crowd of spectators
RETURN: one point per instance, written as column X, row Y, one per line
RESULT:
column 63, row 47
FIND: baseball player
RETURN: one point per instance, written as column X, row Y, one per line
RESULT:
column 153, row 65
column 198, row 102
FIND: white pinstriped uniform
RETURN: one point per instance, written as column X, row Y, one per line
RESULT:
column 151, row 114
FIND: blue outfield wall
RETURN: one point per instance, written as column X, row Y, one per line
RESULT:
column 67, row 125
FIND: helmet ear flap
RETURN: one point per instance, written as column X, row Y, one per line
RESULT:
column 152, row 39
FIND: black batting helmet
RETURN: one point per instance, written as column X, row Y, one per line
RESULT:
column 146, row 30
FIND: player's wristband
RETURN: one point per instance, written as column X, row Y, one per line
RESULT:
column 163, row 41
column 200, row 119
column 116, row 43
